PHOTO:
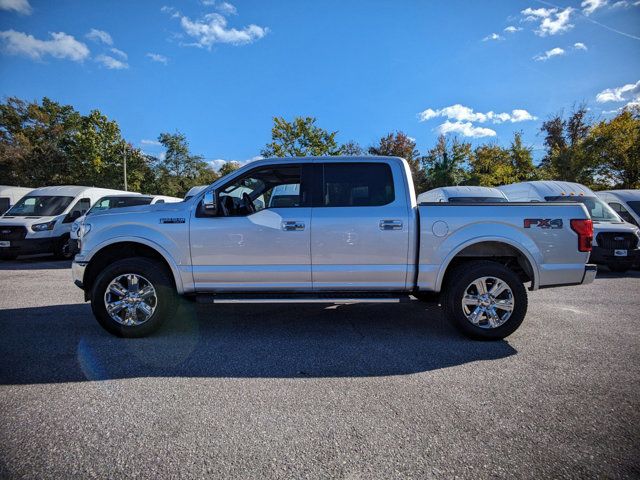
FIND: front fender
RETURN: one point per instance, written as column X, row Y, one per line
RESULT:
column 179, row 272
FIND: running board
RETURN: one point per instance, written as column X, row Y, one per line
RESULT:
column 334, row 298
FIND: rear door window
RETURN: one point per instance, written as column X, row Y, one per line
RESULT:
column 357, row 185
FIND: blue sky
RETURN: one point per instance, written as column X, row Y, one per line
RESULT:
column 219, row 71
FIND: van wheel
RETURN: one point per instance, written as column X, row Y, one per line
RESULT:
column 485, row 300
column 63, row 250
column 133, row 297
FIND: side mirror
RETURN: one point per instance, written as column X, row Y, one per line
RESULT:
column 208, row 204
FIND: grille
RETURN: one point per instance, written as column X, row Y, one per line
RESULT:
column 10, row 232
column 613, row 241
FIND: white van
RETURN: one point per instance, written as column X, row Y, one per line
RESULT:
column 194, row 191
column 119, row 200
column 41, row 221
column 463, row 194
column 285, row 196
column 10, row 195
column 625, row 203
column 615, row 242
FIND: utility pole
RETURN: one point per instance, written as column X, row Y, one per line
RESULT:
column 124, row 154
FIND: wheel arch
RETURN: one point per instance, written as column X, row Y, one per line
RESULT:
column 122, row 248
column 504, row 249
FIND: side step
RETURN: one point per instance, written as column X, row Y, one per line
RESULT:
column 335, row 298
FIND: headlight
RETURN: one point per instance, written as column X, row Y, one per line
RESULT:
column 84, row 229
column 43, row 227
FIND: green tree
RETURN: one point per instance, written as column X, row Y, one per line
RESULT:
column 352, row 149
column 300, row 138
column 180, row 170
column 614, row 150
column 565, row 157
column 445, row 164
column 33, row 141
column 401, row 145
column 522, row 161
column 490, row 166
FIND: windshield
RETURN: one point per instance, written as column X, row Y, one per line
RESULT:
column 635, row 206
column 476, row 199
column 598, row 210
column 107, row 203
column 39, row 206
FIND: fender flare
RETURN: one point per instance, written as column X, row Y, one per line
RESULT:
column 148, row 243
column 512, row 243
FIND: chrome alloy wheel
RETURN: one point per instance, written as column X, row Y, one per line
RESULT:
column 488, row 302
column 130, row 299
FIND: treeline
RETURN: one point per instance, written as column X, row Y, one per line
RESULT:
column 46, row 143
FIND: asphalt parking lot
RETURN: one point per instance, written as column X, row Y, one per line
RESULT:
column 316, row 391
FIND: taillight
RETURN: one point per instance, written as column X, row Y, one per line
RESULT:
column 584, row 229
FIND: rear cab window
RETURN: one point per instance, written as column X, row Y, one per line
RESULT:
column 356, row 185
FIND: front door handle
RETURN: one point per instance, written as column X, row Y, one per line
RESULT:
column 390, row 224
column 292, row 226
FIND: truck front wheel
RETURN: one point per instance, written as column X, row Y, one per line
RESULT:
column 133, row 297
column 485, row 300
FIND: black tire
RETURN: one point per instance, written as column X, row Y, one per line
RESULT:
column 62, row 249
column 153, row 271
column 619, row 268
column 461, row 277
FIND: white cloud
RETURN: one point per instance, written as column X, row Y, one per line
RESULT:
column 493, row 36
column 20, row 6
column 512, row 29
column 212, row 28
column 466, row 129
column 99, row 36
column 226, row 8
column 580, row 46
column 145, row 141
column 156, row 57
column 558, row 25
column 119, row 53
column 627, row 93
column 590, row 6
column 461, row 113
column 61, row 45
column 554, row 52
column 111, row 63
column 532, row 14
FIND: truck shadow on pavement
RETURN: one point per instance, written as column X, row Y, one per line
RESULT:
column 64, row 343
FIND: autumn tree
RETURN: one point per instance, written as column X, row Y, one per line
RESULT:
column 490, row 166
column 521, row 158
column 399, row 144
column 228, row 167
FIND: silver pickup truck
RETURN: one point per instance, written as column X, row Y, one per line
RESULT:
column 348, row 230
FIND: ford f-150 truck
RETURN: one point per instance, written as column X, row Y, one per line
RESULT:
column 353, row 234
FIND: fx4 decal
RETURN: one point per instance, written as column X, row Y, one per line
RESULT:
column 543, row 222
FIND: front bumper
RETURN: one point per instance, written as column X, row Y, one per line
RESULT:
column 29, row 246
column 77, row 272
column 590, row 272
column 605, row 256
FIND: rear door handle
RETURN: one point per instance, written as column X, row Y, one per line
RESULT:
column 292, row 226
column 390, row 224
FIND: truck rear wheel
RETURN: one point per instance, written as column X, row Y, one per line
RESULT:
column 485, row 300
column 133, row 297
